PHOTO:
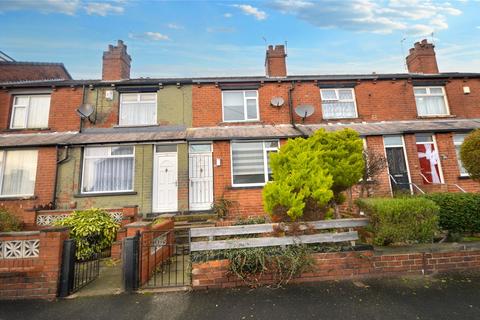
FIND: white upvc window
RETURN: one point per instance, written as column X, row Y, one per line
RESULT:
column 137, row 109
column 457, row 141
column 431, row 101
column 108, row 169
column 240, row 105
column 30, row 111
column 250, row 162
column 338, row 103
column 18, row 171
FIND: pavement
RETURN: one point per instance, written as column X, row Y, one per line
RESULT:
column 452, row 296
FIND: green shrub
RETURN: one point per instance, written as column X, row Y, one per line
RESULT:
column 309, row 175
column 401, row 220
column 459, row 212
column 9, row 222
column 470, row 154
column 93, row 230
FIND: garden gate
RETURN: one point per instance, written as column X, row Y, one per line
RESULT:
column 156, row 259
column 76, row 274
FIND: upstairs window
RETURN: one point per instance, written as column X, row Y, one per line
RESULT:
column 250, row 162
column 338, row 103
column 30, row 112
column 457, row 141
column 240, row 105
column 18, row 170
column 108, row 169
column 137, row 109
column 431, row 101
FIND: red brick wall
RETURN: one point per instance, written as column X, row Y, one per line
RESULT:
column 346, row 265
column 44, row 188
column 33, row 278
column 384, row 100
column 63, row 117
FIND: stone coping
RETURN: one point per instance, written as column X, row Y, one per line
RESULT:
column 19, row 233
column 71, row 210
column 429, row 248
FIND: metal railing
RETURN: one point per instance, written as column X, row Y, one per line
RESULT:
column 408, row 183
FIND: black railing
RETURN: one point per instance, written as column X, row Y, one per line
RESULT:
column 165, row 261
column 86, row 271
column 76, row 274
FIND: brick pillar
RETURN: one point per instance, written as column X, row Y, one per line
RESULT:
column 50, row 256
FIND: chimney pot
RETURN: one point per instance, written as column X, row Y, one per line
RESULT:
column 116, row 62
column 422, row 59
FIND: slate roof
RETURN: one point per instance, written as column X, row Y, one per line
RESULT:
column 236, row 79
column 397, row 127
column 15, row 71
column 179, row 133
column 35, row 139
column 242, row 132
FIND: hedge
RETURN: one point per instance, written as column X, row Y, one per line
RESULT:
column 9, row 222
column 401, row 220
column 459, row 212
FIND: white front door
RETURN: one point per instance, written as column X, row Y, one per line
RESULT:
column 201, row 176
column 165, row 182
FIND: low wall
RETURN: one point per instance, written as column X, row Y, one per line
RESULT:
column 354, row 264
column 30, row 263
column 124, row 216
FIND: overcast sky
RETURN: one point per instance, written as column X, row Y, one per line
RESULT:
column 217, row 38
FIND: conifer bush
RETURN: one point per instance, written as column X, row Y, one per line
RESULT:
column 470, row 154
column 309, row 175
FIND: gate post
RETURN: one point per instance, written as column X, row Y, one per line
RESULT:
column 67, row 272
column 131, row 263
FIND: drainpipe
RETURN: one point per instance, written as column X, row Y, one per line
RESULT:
column 59, row 162
column 83, row 101
column 290, row 107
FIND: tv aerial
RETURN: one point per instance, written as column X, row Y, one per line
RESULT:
column 304, row 111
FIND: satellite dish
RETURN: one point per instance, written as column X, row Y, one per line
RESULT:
column 85, row 110
column 277, row 101
column 304, row 111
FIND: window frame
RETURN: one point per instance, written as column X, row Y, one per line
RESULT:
column 245, row 108
column 3, row 155
column 428, row 94
column 434, row 142
column 27, row 110
column 457, row 154
column 354, row 100
column 84, row 157
column 265, row 151
column 120, row 109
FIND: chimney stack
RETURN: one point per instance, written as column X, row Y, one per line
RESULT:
column 116, row 62
column 275, row 62
column 421, row 58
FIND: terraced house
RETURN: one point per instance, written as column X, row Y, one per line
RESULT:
column 179, row 145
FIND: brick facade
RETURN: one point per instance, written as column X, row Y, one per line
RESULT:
column 197, row 103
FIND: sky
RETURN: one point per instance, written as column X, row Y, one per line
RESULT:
column 225, row 38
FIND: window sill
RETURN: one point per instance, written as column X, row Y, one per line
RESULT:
column 25, row 129
column 135, row 125
column 227, row 123
column 105, row 194
column 464, row 177
column 437, row 116
column 246, row 187
column 10, row 198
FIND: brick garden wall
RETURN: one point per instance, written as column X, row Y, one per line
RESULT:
column 33, row 277
column 348, row 265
